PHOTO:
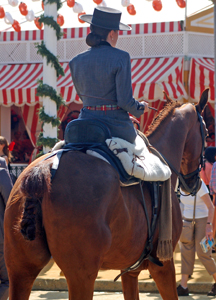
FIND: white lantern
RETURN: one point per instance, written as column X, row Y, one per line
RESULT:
column 13, row 2
column 8, row 18
column 149, row 0
column 35, row 0
column 103, row 3
column 30, row 16
column 125, row 3
column 77, row 8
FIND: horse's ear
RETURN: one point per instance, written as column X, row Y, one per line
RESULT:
column 168, row 99
column 203, row 101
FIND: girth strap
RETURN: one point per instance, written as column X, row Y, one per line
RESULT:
column 151, row 230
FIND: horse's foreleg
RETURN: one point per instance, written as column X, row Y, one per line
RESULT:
column 130, row 285
column 164, row 278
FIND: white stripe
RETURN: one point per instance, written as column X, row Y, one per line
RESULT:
column 5, row 78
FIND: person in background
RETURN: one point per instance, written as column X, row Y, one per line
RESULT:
column 5, row 189
column 4, row 149
column 191, row 236
column 102, row 76
column 17, row 149
column 210, row 158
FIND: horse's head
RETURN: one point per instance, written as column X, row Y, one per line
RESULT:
column 194, row 147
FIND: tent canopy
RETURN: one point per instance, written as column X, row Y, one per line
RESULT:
column 149, row 78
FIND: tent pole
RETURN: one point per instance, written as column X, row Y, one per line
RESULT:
column 49, row 73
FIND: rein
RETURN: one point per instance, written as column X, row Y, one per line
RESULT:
column 191, row 191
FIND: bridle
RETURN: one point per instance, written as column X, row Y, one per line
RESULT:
column 182, row 178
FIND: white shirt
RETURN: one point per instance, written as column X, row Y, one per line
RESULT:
column 201, row 210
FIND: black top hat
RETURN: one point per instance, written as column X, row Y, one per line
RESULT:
column 105, row 17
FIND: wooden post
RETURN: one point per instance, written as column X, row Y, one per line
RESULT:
column 49, row 73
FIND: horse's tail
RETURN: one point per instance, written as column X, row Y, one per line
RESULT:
column 34, row 186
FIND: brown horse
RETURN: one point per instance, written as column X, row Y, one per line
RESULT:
column 87, row 222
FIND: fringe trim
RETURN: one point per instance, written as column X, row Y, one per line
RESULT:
column 165, row 250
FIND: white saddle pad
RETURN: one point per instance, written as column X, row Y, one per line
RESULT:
column 138, row 161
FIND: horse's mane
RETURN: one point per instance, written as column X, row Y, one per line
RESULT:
column 164, row 113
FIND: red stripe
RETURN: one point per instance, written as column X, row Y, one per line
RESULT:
column 65, row 33
column 142, row 67
column 20, row 97
column 192, row 79
column 171, row 26
column 34, row 123
column 154, row 27
column 5, row 99
column 81, row 32
column 19, row 36
column 26, row 35
column 211, row 85
column 163, row 27
column 88, row 30
column 166, row 69
column 137, row 30
column 12, row 96
column 141, row 90
column 34, row 36
column 69, row 94
column 12, row 36
column 4, row 36
column 201, row 79
column 72, row 32
column 151, row 91
column 146, row 28
column 28, row 96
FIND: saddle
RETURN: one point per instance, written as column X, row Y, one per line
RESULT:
column 89, row 136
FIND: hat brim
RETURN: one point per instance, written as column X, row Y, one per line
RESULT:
column 88, row 19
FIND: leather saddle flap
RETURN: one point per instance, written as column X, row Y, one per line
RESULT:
column 86, row 131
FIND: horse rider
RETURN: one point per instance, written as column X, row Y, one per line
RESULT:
column 102, row 76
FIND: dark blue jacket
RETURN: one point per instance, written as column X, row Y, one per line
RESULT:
column 105, row 72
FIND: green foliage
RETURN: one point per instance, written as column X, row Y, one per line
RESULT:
column 52, row 23
column 51, row 58
column 44, row 90
column 46, row 141
column 59, row 4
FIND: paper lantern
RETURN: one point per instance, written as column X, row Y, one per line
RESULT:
column 30, row 16
column 37, row 23
column 181, row 3
column 77, row 8
column 80, row 14
column 125, row 3
column 60, row 20
column 42, row 5
column 157, row 5
column 131, row 10
column 16, row 26
column 8, row 18
column 97, row 1
column 23, row 9
column 13, row 2
column 2, row 12
column 71, row 3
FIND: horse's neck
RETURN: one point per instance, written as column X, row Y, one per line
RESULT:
column 169, row 139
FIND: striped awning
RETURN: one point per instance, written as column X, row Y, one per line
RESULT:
column 18, row 84
column 152, row 76
column 149, row 78
column 201, row 76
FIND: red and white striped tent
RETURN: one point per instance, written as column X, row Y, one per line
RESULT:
column 201, row 76
column 149, row 76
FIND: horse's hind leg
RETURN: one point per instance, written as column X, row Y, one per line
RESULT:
column 24, row 259
column 164, row 278
column 130, row 285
